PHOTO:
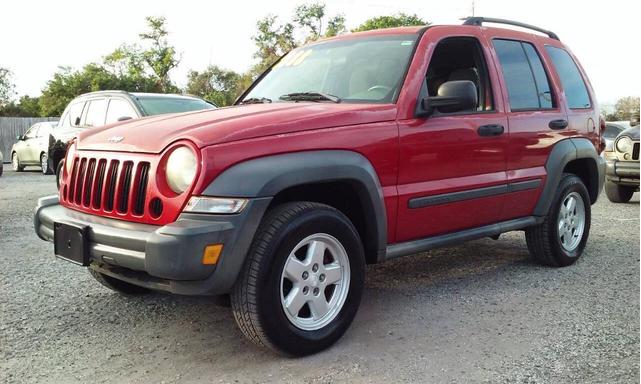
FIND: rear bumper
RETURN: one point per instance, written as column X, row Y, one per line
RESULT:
column 622, row 172
column 162, row 257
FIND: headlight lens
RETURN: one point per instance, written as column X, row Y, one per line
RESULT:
column 181, row 169
column 624, row 144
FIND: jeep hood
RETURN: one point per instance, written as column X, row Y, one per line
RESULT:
column 204, row 128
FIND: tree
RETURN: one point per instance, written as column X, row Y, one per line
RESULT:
column 215, row 84
column 398, row 20
column 6, row 86
column 627, row 109
column 25, row 107
column 67, row 84
column 272, row 41
column 160, row 56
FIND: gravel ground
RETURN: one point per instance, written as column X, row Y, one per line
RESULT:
column 479, row 312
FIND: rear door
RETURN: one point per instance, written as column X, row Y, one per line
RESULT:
column 582, row 113
column 537, row 118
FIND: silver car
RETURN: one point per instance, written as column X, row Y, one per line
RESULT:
column 31, row 148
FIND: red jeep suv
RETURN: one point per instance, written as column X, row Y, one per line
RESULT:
column 346, row 152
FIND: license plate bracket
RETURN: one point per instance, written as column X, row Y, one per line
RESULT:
column 70, row 242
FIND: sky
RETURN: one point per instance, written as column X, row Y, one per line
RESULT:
column 36, row 37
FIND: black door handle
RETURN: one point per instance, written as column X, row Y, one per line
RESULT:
column 490, row 130
column 558, row 124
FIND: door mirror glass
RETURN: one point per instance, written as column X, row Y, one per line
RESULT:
column 452, row 96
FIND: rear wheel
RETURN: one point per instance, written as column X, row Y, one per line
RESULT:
column 618, row 193
column 15, row 163
column 302, row 282
column 44, row 164
column 560, row 240
column 117, row 285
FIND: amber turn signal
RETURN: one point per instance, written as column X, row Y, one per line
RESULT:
column 212, row 253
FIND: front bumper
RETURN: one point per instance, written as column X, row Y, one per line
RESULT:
column 622, row 172
column 166, row 257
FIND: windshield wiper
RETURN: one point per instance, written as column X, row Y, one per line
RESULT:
column 256, row 100
column 310, row 96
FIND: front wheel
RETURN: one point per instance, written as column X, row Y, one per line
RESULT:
column 15, row 163
column 301, row 285
column 618, row 193
column 44, row 164
column 560, row 240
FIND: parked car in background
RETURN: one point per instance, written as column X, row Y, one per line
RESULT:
column 612, row 130
column 96, row 109
column 32, row 148
column 622, row 166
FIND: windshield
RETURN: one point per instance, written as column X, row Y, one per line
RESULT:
column 368, row 69
column 159, row 105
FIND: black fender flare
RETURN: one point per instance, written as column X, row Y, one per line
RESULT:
column 561, row 155
column 267, row 176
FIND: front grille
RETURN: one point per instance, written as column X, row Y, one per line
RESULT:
column 635, row 151
column 107, row 185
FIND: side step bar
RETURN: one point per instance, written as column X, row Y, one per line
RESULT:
column 422, row 245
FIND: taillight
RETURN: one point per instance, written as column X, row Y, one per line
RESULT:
column 601, row 125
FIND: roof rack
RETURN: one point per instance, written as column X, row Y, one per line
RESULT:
column 480, row 20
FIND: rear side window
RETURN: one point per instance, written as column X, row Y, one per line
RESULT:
column 96, row 111
column 527, row 83
column 571, row 79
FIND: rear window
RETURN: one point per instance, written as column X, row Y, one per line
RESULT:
column 160, row 105
column 575, row 89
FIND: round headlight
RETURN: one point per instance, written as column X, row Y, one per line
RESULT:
column 181, row 169
column 624, row 144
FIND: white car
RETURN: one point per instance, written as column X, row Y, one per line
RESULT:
column 31, row 148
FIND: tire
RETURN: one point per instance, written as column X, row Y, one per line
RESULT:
column 44, row 164
column 618, row 193
column 117, row 285
column 546, row 243
column 258, row 298
column 59, row 171
column 15, row 163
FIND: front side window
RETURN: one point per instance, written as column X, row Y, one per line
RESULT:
column 119, row 109
column 527, row 84
column 575, row 89
column 31, row 133
column 460, row 58
column 96, row 111
column 159, row 105
column 75, row 112
column 367, row 69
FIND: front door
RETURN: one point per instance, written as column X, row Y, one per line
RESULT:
column 452, row 168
